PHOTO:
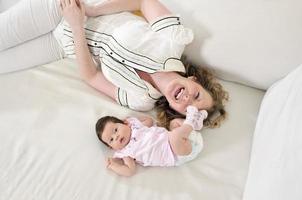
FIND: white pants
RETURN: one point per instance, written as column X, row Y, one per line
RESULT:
column 26, row 38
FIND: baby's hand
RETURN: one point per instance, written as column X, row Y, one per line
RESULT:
column 110, row 162
column 195, row 118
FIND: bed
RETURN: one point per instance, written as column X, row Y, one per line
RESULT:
column 49, row 149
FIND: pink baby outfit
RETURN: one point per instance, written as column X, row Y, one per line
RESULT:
column 148, row 146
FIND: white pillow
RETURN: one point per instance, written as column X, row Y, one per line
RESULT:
column 252, row 42
column 276, row 158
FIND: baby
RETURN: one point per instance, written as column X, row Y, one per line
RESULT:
column 139, row 141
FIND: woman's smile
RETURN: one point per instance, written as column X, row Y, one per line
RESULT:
column 178, row 93
column 182, row 93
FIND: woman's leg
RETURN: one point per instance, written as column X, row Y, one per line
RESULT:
column 5, row 4
column 26, row 20
column 34, row 52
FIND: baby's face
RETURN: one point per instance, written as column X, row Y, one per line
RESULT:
column 116, row 135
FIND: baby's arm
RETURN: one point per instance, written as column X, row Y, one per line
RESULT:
column 127, row 168
column 178, row 138
column 181, row 129
column 194, row 119
column 177, row 122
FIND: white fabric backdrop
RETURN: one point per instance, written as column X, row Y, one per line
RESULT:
column 252, row 42
column 276, row 159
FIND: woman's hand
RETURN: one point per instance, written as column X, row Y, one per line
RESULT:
column 73, row 12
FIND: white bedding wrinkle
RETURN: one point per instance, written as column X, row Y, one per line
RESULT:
column 276, row 160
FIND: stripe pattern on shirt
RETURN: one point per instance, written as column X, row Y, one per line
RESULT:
column 118, row 63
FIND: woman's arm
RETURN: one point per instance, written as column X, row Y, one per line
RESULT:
column 111, row 6
column 151, row 9
column 127, row 168
column 73, row 12
column 87, row 67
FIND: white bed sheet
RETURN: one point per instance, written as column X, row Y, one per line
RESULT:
column 276, row 160
column 49, row 150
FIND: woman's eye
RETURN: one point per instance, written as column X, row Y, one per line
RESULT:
column 197, row 95
column 115, row 130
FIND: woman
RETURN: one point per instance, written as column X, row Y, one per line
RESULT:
column 140, row 62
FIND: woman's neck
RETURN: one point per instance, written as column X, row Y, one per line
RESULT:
column 162, row 79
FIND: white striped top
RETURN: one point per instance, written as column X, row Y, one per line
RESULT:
column 123, row 43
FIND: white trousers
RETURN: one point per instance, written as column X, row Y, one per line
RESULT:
column 26, row 38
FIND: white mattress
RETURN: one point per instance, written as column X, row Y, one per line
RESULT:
column 49, row 150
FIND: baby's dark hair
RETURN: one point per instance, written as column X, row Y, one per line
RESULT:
column 101, row 123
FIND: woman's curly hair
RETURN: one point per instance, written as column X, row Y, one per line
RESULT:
column 207, row 80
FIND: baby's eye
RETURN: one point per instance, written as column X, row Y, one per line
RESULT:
column 197, row 95
column 115, row 130
column 111, row 139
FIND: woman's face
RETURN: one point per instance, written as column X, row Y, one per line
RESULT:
column 183, row 92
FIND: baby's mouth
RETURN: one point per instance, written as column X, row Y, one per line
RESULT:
column 121, row 140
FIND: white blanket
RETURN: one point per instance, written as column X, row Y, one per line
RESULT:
column 49, row 149
column 276, row 160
